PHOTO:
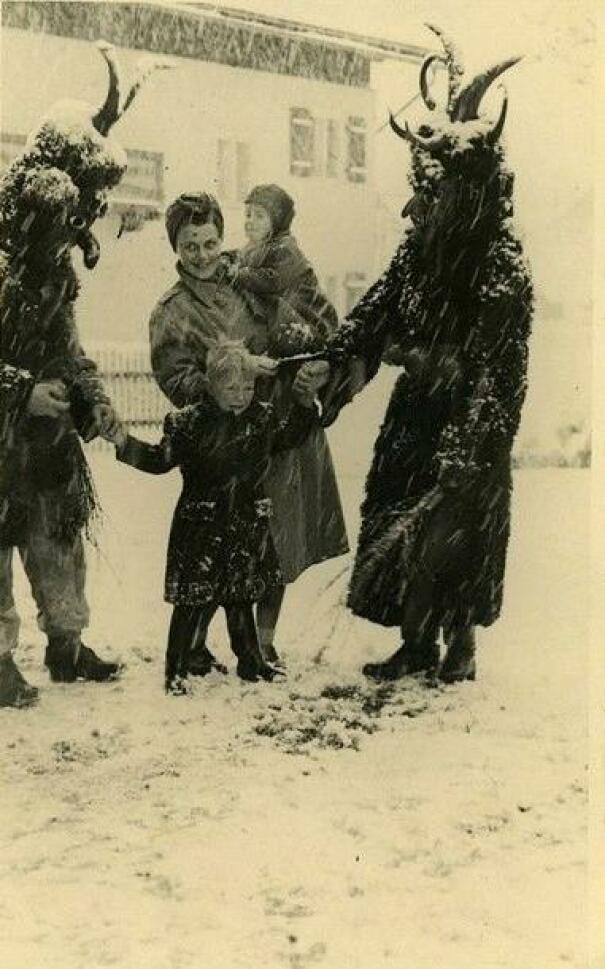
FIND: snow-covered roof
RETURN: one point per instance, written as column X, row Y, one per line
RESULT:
column 207, row 32
column 377, row 48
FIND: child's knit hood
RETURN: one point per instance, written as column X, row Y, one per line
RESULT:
column 278, row 204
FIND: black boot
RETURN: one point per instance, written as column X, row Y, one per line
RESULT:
column 15, row 691
column 406, row 661
column 68, row 660
column 254, row 670
column 244, row 642
column 176, row 670
column 202, row 661
column 460, row 663
column 271, row 656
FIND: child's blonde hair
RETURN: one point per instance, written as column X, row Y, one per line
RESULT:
column 229, row 359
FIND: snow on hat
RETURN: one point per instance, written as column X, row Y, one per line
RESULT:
column 197, row 208
column 277, row 203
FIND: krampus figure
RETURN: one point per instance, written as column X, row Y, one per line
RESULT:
column 454, row 307
column 50, row 393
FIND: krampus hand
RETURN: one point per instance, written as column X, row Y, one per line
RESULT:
column 48, row 399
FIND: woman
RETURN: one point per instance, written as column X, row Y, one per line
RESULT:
column 308, row 525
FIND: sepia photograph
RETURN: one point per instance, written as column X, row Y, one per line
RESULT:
column 297, row 592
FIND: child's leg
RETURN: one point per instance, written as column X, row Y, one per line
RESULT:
column 201, row 660
column 267, row 614
column 181, row 636
column 245, row 645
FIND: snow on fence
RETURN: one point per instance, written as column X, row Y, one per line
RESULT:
column 126, row 372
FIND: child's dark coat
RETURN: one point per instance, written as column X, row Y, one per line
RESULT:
column 220, row 549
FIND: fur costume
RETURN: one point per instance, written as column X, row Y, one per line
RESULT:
column 454, row 308
column 49, row 198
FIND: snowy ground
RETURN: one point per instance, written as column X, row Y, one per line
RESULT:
column 319, row 822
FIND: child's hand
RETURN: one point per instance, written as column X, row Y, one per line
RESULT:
column 263, row 366
column 114, row 431
column 229, row 267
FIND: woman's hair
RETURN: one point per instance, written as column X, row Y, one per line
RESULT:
column 196, row 208
column 226, row 359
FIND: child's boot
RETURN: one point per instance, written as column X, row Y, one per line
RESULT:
column 176, row 669
column 244, row 642
column 202, row 662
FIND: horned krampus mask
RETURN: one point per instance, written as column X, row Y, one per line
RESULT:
column 457, row 170
column 53, row 193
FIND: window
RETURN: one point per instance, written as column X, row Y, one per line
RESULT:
column 356, row 149
column 332, row 148
column 355, row 287
column 302, row 142
column 143, row 181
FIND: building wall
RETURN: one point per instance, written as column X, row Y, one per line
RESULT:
column 196, row 115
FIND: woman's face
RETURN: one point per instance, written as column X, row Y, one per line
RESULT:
column 198, row 248
column 257, row 225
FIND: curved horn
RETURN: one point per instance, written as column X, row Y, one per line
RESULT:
column 469, row 99
column 404, row 133
column 146, row 66
column 496, row 131
column 108, row 114
column 455, row 68
column 424, row 87
column 427, row 144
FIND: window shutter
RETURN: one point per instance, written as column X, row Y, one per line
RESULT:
column 332, row 148
column 302, row 142
column 356, row 149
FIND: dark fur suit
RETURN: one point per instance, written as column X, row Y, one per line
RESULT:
column 454, row 308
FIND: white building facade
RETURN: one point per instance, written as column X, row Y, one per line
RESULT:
column 247, row 101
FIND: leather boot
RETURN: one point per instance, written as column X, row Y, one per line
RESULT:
column 460, row 663
column 202, row 661
column 68, row 660
column 271, row 656
column 15, row 691
column 406, row 661
column 251, row 666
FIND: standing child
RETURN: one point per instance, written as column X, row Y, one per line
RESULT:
column 220, row 551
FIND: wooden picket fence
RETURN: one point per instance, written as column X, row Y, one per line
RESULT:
column 129, row 381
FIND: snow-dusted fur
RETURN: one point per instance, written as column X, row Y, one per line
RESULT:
column 455, row 304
